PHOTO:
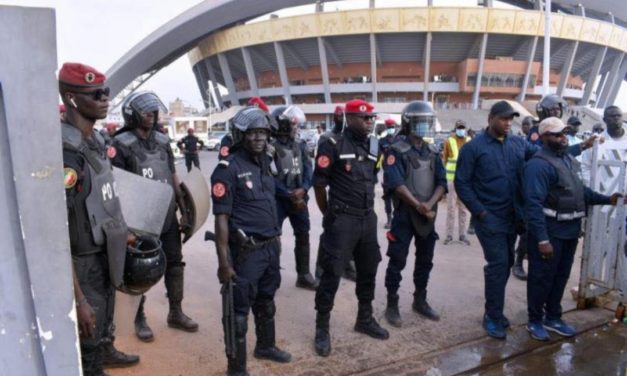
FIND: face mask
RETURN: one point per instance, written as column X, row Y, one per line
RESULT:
column 460, row 132
column 421, row 129
column 390, row 132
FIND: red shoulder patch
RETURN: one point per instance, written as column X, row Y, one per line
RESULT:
column 323, row 161
column 391, row 159
column 218, row 190
column 224, row 151
column 534, row 136
column 111, row 152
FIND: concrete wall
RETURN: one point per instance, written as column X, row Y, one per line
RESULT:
column 37, row 315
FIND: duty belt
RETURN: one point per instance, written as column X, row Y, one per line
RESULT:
column 340, row 207
column 563, row 216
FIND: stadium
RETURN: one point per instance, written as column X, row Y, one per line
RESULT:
column 390, row 56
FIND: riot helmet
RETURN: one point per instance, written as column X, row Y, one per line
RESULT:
column 248, row 118
column 551, row 105
column 418, row 119
column 139, row 103
column 145, row 265
column 285, row 119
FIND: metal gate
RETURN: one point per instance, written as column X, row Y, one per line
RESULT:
column 604, row 258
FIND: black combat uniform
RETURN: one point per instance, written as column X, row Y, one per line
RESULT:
column 190, row 145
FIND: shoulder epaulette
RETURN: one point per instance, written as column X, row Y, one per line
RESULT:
column 126, row 138
column 162, row 138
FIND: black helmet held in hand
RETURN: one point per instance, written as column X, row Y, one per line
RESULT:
column 145, row 265
column 551, row 105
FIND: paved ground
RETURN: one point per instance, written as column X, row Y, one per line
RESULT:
column 455, row 345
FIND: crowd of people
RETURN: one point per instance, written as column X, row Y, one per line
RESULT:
column 528, row 187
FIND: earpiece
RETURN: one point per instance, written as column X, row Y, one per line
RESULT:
column 73, row 103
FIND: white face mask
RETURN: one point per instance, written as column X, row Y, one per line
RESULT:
column 460, row 132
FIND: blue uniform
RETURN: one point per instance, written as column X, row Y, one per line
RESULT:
column 395, row 170
column 488, row 178
column 245, row 191
column 548, row 277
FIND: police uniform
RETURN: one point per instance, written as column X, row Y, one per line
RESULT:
column 245, row 191
column 97, row 229
column 421, row 171
column 385, row 143
column 294, row 170
column 190, row 145
column 225, row 146
column 555, row 201
column 153, row 159
column 347, row 165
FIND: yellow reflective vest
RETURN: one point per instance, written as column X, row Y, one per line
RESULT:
column 451, row 163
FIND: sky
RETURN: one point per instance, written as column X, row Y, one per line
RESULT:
column 99, row 32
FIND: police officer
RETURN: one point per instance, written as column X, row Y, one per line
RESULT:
column 551, row 105
column 293, row 180
column 346, row 163
column 142, row 150
column 227, row 141
column 556, row 200
column 247, row 235
column 190, row 145
column 414, row 171
column 95, row 220
column 386, row 139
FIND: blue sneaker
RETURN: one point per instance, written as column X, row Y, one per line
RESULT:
column 494, row 328
column 537, row 331
column 560, row 327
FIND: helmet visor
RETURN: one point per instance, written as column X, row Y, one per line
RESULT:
column 421, row 125
column 295, row 114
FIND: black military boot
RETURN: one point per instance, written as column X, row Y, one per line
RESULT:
column 349, row 271
column 301, row 251
column 264, row 328
column 112, row 358
column 367, row 324
column 391, row 311
column 237, row 362
column 518, row 270
column 421, row 306
column 323, row 338
column 142, row 330
column 174, row 285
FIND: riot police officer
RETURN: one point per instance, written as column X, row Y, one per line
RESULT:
column 190, row 145
column 386, row 139
column 293, row 180
column 414, row 171
column 227, row 141
column 98, row 233
column 140, row 149
column 346, row 163
column 247, row 236
column 551, row 105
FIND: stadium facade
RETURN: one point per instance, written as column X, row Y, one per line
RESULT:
column 395, row 55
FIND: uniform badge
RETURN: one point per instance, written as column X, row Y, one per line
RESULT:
column 391, row 159
column 90, row 77
column 218, row 190
column 534, row 136
column 70, row 177
column 224, row 151
column 249, row 184
column 111, row 152
column 323, row 161
column 362, row 108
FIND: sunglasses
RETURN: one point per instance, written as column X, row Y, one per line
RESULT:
column 96, row 94
column 367, row 117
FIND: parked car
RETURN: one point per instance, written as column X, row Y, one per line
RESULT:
column 214, row 139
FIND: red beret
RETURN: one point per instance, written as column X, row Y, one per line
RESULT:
column 77, row 74
column 339, row 111
column 256, row 101
column 358, row 106
column 390, row 122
